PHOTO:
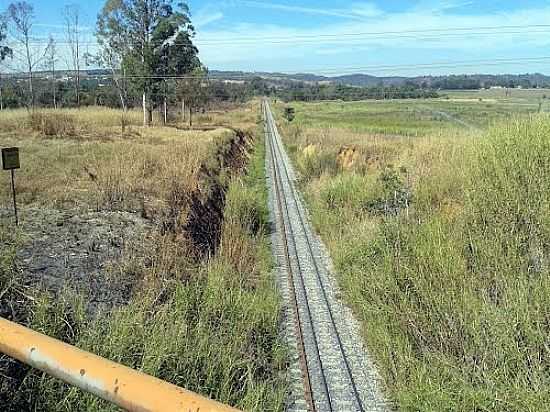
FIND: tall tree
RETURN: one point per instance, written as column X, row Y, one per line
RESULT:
column 147, row 33
column 50, row 59
column 183, row 63
column 194, row 89
column 21, row 15
column 5, row 52
column 72, row 31
column 108, row 58
column 111, row 53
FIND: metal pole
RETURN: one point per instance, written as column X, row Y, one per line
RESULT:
column 14, row 198
column 165, row 104
column 131, row 390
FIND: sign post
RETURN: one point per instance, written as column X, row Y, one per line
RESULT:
column 10, row 161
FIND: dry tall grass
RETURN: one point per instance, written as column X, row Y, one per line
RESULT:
column 85, row 118
column 211, row 325
column 103, row 170
column 441, row 244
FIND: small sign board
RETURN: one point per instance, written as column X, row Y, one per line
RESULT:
column 10, row 158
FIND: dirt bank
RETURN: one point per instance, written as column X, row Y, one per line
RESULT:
column 207, row 202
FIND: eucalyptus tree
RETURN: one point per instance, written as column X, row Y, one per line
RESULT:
column 71, row 14
column 153, row 38
column 183, row 61
column 21, row 16
column 110, row 57
column 5, row 52
column 194, row 89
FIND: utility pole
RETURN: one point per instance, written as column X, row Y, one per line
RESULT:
column 165, row 104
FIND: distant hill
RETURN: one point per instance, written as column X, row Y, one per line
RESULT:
column 351, row 79
column 465, row 82
column 365, row 80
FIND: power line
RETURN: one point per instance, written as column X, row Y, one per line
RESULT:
column 345, row 37
column 334, row 40
column 329, row 71
column 383, row 33
column 455, row 63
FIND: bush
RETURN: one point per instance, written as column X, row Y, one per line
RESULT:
column 314, row 165
column 53, row 124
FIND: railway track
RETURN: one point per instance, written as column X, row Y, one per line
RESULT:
column 331, row 370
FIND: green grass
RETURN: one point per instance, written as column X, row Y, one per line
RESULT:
column 420, row 117
column 524, row 95
column 10, row 241
column 441, row 246
column 210, row 326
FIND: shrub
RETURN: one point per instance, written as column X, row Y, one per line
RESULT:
column 314, row 165
column 53, row 124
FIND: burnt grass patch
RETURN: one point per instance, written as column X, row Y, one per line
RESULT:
column 64, row 255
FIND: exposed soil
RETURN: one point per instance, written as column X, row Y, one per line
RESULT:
column 207, row 203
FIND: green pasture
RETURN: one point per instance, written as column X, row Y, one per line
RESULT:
column 471, row 110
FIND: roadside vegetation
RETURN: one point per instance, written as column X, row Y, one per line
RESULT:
column 441, row 244
column 198, row 306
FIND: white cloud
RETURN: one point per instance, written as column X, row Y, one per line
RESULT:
column 441, row 6
column 366, row 9
column 358, row 11
column 270, row 47
column 204, row 19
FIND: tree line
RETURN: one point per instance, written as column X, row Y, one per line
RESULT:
column 478, row 82
column 142, row 44
column 306, row 92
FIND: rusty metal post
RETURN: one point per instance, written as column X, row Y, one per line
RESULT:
column 14, row 197
column 125, row 387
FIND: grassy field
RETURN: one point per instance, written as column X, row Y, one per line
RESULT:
column 206, row 322
column 470, row 110
column 440, row 235
column 503, row 95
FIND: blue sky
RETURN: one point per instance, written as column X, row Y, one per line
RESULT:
column 334, row 37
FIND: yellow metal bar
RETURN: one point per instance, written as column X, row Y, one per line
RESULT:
column 125, row 387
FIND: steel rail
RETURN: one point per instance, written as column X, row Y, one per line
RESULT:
column 323, row 289
column 301, row 347
column 301, row 344
column 317, row 270
column 278, row 184
column 120, row 385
